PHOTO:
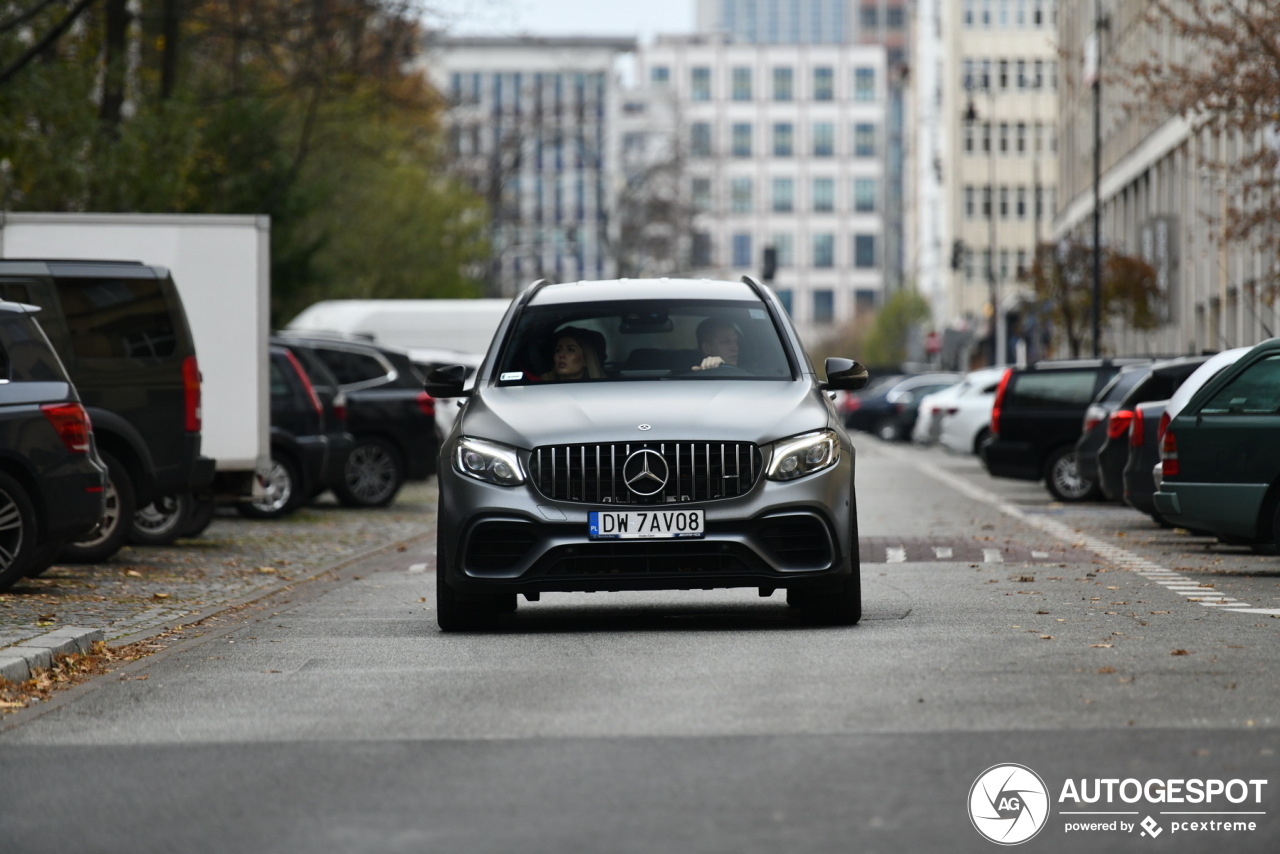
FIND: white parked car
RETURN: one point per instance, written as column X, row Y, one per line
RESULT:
column 966, row 419
column 929, row 414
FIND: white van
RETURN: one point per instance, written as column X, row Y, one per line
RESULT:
column 461, row 325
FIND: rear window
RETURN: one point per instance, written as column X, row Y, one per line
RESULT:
column 25, row 354
column 1051, row 389
column 1256, row 391
column 351, row 368
column 118, row 318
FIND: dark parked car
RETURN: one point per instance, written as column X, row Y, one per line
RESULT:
column 52, row 482
column 1158, row 383
column 890, row 410
column 309, row 441
column 1143, row 457
column 1037, row 418
column 391, row 417
column 1097, row 419
column 651, row 475
column 121, row 331
column 1221, row 454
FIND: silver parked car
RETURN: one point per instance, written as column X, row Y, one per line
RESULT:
column 646, row 435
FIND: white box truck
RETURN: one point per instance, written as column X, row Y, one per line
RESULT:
column 221, row 265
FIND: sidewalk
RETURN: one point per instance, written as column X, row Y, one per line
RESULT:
column 147, row 588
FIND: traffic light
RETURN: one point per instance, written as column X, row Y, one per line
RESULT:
column 957, row 254
column 770, row 263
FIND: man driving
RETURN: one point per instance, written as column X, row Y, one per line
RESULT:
column 718, row 340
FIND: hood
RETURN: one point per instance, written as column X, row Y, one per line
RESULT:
column 689, row 410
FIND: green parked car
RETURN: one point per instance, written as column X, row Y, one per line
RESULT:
column 1220, row 456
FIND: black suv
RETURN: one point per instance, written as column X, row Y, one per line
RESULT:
column 120, row 329
column 52, row 482
column 309, row 441
column 391, row 416
column 1037, row 418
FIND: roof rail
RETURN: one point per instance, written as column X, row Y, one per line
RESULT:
column 531, row 290
column 755, row 286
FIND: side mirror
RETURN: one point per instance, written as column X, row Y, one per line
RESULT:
column 447, row 381
column 845, row 374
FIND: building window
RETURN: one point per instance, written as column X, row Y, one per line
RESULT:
column 864, row 194
column 864, row 140
column 824, row 139
column 824, row 195
column 700, row 84
column 742, row 139
column 660, row 75
column 784, row 297
column 784, row 190
column 824, row 308
column 783, row 84
column 700, row 191
column 864, row 251
column 824, row 250
column 742, row 84
column 824, row 83
column 701, row 254
column 742, row 250
column 783, row 139
column 700, row 139
column 740, row 195
column 970, row 202
column 864, row 84
column 1020, row 206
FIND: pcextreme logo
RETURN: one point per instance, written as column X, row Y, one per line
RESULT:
column 1009, row 804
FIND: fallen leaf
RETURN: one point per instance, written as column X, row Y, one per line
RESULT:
column 1180, row 652
column 1100, row 646
column 267, row 570
column 45, row 618
column 402, row 548
column 1042, row 612
column 1046, row 637
column 1106, row 670
column 133, row 573
column 159, row 595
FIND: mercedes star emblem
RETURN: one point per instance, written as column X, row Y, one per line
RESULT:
column 645, row 472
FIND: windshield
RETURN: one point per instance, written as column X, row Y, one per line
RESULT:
column 635, row 340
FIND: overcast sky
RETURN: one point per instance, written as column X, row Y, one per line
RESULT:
column 640, row 18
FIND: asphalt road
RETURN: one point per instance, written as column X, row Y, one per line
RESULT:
column 1080, row 642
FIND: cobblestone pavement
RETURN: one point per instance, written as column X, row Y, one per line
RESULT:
column 148, row 587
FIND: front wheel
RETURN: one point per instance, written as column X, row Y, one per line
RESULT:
column 161, row 521
column 373, row 474
column 281, row 492
column 457, row 614
column 1063, row 479
column 113, row 528
column 888, row 430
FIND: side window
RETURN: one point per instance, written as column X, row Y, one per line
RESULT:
column 117, row 318
column 279, row 383
column 351, row 368
column 25, row 354
column 1050, row 389
column 1254, row 392
column 14, row 292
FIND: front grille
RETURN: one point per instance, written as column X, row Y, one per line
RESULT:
column 697, row 471
column 796, row 542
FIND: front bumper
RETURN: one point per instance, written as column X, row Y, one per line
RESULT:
column 777, row 535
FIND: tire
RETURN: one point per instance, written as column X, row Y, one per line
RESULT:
column 455, row 613
column 112, row 532
column 160, row 522
column 372, row 476
column 45, row 556
column 282, row 491
column 839, row 604
column 17, row 532
column 201, row 515
column 981, row 439
column 888, row 430
column 1063, row 480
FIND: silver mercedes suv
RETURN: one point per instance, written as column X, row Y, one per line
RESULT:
column 646, row 434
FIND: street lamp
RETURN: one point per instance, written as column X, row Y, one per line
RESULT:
column 998, row 345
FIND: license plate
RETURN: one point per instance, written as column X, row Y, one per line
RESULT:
column 645, row 524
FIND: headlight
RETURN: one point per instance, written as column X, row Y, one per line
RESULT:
column 487, row 461
column 804, row 455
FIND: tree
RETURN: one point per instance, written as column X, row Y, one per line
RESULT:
column 1062, row 278
column 1224, row 79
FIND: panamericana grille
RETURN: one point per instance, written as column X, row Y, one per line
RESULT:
column 696, row 471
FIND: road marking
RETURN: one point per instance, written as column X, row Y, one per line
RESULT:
column 992, row 556
column 417, row 567
column 942, row 552
column 1040, row 554
column 896, row 555
column 1112, row 554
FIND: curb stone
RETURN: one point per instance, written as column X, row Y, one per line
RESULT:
column 18, row 663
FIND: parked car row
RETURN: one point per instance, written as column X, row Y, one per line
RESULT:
column 101, row 416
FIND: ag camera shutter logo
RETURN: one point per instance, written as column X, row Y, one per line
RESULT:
column 1008, row 804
